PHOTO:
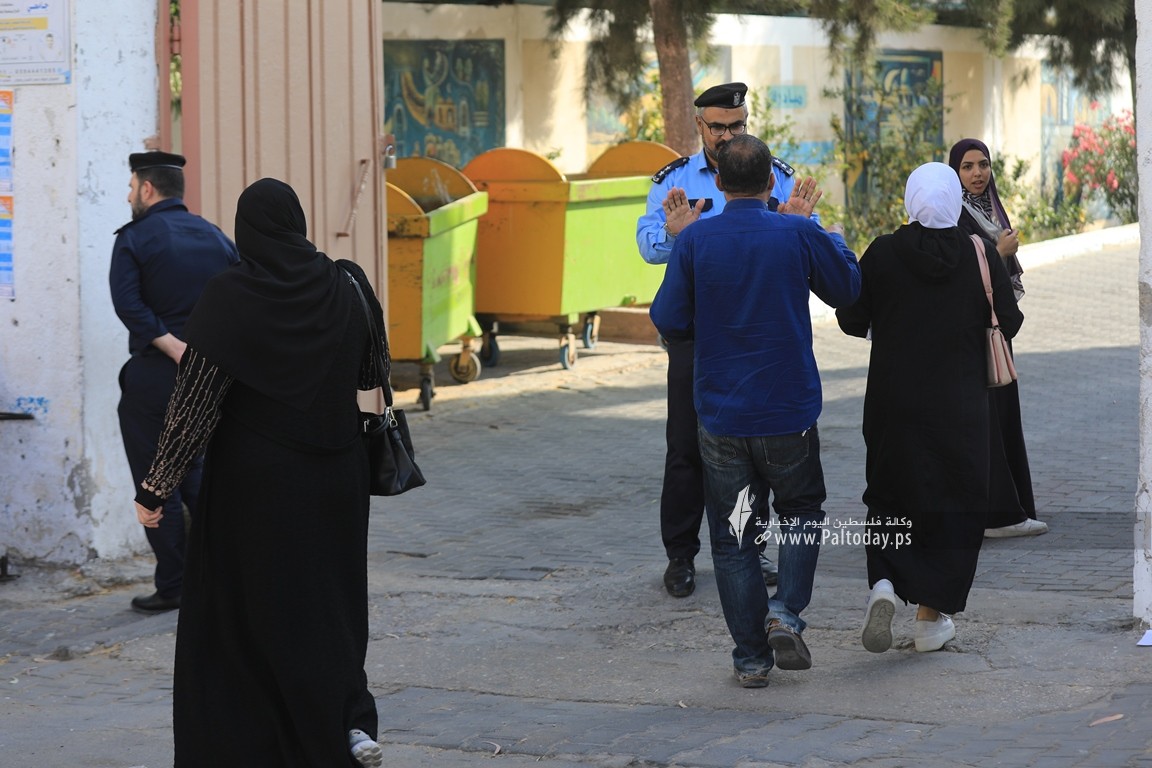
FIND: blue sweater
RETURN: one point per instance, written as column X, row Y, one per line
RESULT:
column 738, row 283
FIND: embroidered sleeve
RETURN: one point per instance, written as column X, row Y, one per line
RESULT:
column 370, row 377
column 193, row 412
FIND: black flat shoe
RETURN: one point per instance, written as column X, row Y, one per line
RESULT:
column 680, row 577
column 153, row 603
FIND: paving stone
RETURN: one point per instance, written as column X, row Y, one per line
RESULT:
column 516, row 599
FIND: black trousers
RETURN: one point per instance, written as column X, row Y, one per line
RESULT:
column 682, row 497
column 146, row 383
column 1010, row 497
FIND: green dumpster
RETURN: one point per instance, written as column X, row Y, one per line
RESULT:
column 557, row 246
column 432, row 220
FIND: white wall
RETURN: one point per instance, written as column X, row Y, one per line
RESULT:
column 1142, row 569
column 65, row 489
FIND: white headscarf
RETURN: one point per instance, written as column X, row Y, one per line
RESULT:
column 934, row 196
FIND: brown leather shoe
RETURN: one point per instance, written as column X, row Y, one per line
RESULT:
column 153, row 603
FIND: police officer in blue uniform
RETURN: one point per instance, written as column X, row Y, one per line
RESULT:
column 161, row 261
column 682, row 192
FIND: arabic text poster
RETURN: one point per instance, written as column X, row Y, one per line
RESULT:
column 7, row 288
column 7, row 284
column 6, row 102
column 34, row 42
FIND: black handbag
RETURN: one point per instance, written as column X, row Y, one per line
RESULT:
column 391, row 459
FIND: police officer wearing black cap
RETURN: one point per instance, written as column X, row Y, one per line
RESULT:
column 682, row 192
column 160, row 263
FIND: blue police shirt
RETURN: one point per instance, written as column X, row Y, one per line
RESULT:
column 697, row 180
column 160, row 264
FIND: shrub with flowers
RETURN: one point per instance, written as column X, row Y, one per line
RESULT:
column 1103, row 161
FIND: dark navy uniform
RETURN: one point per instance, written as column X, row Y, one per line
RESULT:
column 160, row 264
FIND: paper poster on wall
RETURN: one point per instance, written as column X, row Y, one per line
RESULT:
column 7, row 285
column 7, row 288
column 34, row 42
column 444, row 98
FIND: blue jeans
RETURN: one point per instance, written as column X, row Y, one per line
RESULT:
column 736, row 471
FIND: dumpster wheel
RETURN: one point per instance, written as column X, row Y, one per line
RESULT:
column 568, row 351
column 465, row 367
column 591, row 330
column 490, row 349
column 427, row 392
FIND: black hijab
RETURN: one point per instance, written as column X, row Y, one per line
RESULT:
column 275, row 320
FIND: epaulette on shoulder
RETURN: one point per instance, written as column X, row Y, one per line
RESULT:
column 786, row 169
column 662, row 174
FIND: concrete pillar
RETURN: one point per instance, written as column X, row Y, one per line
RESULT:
column 1142, row 569
column 65, row 489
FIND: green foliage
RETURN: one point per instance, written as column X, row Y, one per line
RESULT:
column 1041, row 218
column 619, row 32
column 1038, row 213
column 852, row 26
column 776, row 130
column 884, row 135
column 1089, row 38
column 644, row 117
column 1103, row 163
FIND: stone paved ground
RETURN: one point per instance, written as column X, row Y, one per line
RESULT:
column 517, row 612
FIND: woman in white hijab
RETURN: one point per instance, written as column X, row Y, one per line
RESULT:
column 926, row 409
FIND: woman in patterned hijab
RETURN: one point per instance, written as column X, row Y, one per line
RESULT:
column 1011, row 503
column 983, row 212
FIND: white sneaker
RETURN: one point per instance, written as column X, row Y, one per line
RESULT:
column 1029, row 527
column 931, row 635
column 365, row 749
column 877, row 634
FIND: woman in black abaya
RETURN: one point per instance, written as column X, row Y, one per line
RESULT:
column 1011, row 504
column 273, row 626
column 925, row 409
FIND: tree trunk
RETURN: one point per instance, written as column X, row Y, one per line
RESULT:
column 671, row 39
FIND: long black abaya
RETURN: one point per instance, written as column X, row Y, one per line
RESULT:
column 926, row 408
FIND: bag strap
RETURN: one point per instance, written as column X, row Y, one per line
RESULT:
column 982, row 257
column 378, row 346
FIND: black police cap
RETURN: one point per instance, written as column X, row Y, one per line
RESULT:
column 727, row 96
column 138, row 161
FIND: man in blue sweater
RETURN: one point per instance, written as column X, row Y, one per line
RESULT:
column 686, row 187
column 738, row 284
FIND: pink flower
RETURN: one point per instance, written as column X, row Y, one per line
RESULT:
column 1071, row 178
column 1113, row 183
